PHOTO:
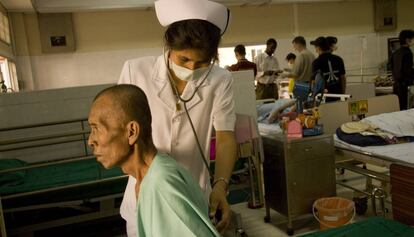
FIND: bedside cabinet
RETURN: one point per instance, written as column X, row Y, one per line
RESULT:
column 296, row 173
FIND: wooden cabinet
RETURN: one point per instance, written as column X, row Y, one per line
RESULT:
column 296, row 173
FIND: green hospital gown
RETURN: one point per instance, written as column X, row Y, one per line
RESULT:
column 171, row 203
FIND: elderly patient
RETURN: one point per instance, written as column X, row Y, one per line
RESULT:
column 169, row 201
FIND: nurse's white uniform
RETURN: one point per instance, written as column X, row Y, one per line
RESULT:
column 212, row 106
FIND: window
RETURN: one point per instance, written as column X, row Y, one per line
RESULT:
column 227, row 57
column 8, row 76
column 4, row 28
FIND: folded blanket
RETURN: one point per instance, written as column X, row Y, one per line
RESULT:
column 359, row 139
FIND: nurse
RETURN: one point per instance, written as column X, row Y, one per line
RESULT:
column 188, row 94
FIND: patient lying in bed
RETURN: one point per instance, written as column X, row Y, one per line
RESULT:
column 268, row 115
column 169, row 201
column 271, row 112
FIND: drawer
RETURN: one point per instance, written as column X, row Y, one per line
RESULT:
column 309, row 149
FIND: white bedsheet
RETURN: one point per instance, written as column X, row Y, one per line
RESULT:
column 399, row 123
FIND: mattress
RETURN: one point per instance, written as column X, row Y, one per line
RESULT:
column 394, row 153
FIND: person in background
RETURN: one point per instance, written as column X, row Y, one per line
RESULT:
column 267, row 72
column 330, row 66
column 402, row 67
column 242, row 62
column 302, row 69
column 189, row 95
column 332, row 41
column 169, row 200
column 290, row 59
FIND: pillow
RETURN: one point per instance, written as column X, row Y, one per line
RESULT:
column 12, row 178
column 356, row 127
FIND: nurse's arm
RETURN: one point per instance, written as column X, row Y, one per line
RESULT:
column 225, row 155
column 225, row 159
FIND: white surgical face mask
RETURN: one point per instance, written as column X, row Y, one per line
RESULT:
column 186, row 74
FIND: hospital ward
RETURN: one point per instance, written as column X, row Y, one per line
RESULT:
column 198, row 118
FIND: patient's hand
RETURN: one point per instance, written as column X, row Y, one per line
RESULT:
column 273, row 116
column 218, row 201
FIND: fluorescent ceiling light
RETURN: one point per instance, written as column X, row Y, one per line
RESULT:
column 45, row 6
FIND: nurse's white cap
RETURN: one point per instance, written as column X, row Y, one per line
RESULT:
column 170, row 11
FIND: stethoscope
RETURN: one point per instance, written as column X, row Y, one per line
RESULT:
column 185, row 101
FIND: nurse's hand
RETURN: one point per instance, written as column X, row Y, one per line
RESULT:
column 218, row 201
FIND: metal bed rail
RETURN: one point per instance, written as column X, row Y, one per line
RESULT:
column 37, row 125
column 27, row 141
column 46, row 163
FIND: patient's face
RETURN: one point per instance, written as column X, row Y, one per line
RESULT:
column 108, row 137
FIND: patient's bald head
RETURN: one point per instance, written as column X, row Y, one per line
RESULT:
column 128, row 103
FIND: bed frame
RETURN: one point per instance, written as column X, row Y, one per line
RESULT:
column 333, row 115
column 29, row 143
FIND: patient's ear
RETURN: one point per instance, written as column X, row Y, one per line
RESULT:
column 133, row 132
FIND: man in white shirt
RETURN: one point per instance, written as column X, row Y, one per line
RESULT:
column 302, row 68
column 267, row 72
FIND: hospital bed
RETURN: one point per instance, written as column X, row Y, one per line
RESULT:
column 48, row 176
column 78, row 184
column 381, row 110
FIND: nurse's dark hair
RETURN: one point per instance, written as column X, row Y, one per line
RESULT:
column 131, row 104
column 194, row 34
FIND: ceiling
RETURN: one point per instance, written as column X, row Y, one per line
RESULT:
column 45, row 6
